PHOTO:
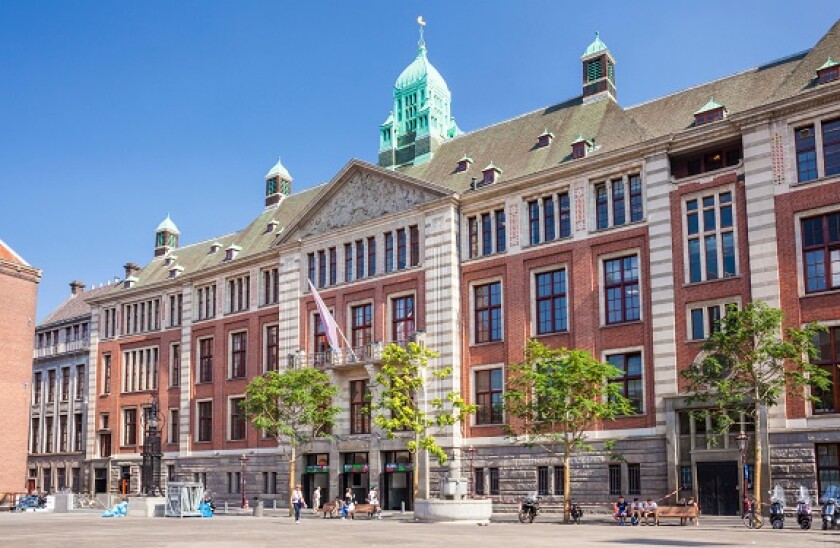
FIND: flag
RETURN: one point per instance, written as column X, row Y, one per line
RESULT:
column 330, row 327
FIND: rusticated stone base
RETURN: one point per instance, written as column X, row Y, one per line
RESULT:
column 453, row 511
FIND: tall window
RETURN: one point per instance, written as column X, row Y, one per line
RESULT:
column 237, row 419
column 551, row 302
column 501, row 231
column 402, row 319
column 271, row 285
column 612, row 206
column 322, row 268
column 359, row 407
column 621, row 285
column 239, row 293
column 36, row 389
column 488, row 312
column 828, row 466
column 489, row 388
column 630, row 382
column 828, row 344
column 472, row 228
column 205, row 421
column 129, row 427
column 806, row 153
column 402, row 249
column 77, row 432
column 206, row 302
column 65, row 383
column 140, row 369
column 360, row 259
column 634, row 478
column 711, row 237
column 371, row 256
column 558, row 480
column 831, row 147
column 80, row 382
column 414, row 244
column 543, row 486
column 51, row 386
column 205, row 360
column 175, row 365
column 821, row 250
column 322, row 344
column 494, row 481
column 174, row 426
column 549, row 228
column 479, row 481
column 62, row 433
column 362, row 325
column 48, row 426
column 348, row 262
column 272, row 355
column 705, row 320
column 486, row 234
column 615, row 479
column 389, row 252
column 175, row 306
column 106, row 374
column 238, row 347
column 311, row 268
column 333, row 265
column 534, row 221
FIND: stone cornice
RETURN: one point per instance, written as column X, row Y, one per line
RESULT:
column 22, row 271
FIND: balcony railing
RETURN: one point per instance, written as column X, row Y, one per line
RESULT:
column 62, row 347
column 358, row 355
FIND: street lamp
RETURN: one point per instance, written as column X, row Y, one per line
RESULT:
column 742, row 440
column 471, row 456
column 151, row 449
column 243, row 460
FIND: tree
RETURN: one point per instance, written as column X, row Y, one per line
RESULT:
column 293, row 407
column 555, row 396
column 747, row 365
column 401, row 378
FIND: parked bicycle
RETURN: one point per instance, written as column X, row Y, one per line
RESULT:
column 752, row 516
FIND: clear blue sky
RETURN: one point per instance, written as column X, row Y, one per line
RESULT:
column 113, row 114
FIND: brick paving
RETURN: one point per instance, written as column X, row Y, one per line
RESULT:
column 89, row 530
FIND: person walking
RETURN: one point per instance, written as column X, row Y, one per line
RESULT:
column 298, row 503
column 316, row 500
column 373, row 500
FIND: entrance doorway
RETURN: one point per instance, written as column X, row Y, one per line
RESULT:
column 100, row 480
column 356, row 475
column 397, row 481
column 317, row 474
column 717, row 484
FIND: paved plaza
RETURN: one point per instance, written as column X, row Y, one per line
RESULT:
column 89, row 530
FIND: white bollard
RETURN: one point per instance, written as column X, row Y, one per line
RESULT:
column 402, row 507
column 226, row 507
column 274, row 504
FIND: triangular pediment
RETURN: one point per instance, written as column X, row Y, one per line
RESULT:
column 360, row 193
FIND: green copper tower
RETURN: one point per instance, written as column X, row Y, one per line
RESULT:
column 421, row 118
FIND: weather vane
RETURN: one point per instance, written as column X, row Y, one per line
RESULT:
column 422, row 24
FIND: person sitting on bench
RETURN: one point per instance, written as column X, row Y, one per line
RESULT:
column 637, row 511
column 651, row 510
column 690, row 504
column 621, row 510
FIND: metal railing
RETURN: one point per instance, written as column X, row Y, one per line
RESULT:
column 62, row 347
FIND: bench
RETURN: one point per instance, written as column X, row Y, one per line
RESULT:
column 368, row 509
column 8, row 501
column 685, row 513
column 330, row 509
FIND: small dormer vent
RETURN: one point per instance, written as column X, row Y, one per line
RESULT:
column 463, row 164
column 272, row 226
column 828, row 72
column 581, row 147
column 231, row 252
column 215, row 246
column 712, row 111
column 175, row 271
column 491, row 174
column 544, row 139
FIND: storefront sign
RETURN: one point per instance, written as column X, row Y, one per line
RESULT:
column 317, row 469
column 399, row 467
column 356, row 468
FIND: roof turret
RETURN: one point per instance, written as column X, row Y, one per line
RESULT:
column 596, row 46
column 168, row 226
column 279, row 170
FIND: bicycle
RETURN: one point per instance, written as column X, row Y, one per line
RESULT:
column 752, row 520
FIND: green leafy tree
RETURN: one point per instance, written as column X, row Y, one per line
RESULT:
column 747, row 365
column 294, row 407
column 555, row 396
column 400, row 380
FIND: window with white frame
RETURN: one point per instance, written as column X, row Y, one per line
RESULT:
column 141, row 316
column 270, row 280
column 206, row 302
column 109, row 324
column 487, row 312
column 238, row 354
column 174, row 425
column 710, row 236
column 704, row 318
column 549, row 218
column 489, row 396
column 817, row 148
column 550, row 301
column 236, row 420
column 140, row 369
column 487, row 233
column 629, row 364
column 821, row 252
column 175, row 309
column 270, row 347
column 204, row 420
column 622, row 298
column 618, row 201
column 238, row 293
column 129, row 416
column 175, row 364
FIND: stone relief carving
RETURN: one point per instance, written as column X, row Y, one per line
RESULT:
column 364, row 197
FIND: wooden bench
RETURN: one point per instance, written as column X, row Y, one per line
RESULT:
column 8, row 501
column 330, row 509
column 685, row 513
column 363, row 509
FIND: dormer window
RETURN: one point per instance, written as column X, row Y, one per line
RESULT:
column 175, row 271
column 215, row 246
column 710, row 112
column 231, row 252
column 491, row 174
column 272, row 225
column 544, row 139
column 463, row 164
column 581, row 147
column 130, row 282
column 170, row 259
column 828, row 72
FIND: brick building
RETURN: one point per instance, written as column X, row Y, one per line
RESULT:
column 58, row 413
column 18, row 292
column 620, row 230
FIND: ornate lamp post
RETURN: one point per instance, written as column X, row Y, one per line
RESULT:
column 243, row 460
column 742, row 440
column 151, row 449
column 471, row 455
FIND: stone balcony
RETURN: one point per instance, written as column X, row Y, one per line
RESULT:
column 63, row 347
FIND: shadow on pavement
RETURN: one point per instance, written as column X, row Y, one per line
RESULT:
column 664, row 542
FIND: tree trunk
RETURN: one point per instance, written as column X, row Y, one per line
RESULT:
column 567, row 484
column 292, row 459
column 415, row 474
column 758, row 458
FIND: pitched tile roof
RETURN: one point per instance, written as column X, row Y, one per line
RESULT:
column 9, row 254
column 75, row 306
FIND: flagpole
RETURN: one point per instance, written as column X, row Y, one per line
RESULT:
column 329, row 321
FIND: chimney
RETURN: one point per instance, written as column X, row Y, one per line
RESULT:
column 131, row 270
column 76, row 287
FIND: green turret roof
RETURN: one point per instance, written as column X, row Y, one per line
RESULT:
column 828, row 64
column 710, row 105
column 419, row 70
column 279, row 170
column 167, row 225
column 596, row 46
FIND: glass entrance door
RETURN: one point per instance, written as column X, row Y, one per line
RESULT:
column 398, row 481
column 356, row 475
